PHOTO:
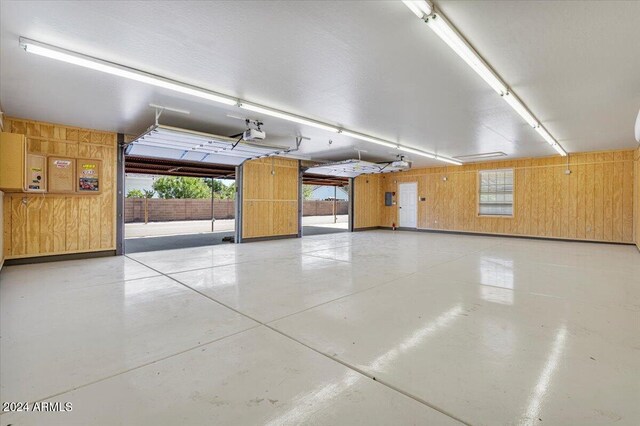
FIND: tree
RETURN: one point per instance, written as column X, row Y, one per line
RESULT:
column 135, row 193
column 222, row 191
column 139, row 193
column 307, row 192
column 181, row 187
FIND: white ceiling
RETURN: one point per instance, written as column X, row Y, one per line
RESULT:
column 368, row 66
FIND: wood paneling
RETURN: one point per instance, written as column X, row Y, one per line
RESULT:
column 594, row 202
column 636, row 188
column 270, row 197
column 367, row 199
column 48, row 224
column 2, row 228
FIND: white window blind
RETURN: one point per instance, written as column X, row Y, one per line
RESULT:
column 496, row 192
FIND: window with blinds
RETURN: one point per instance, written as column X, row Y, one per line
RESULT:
column 496, row 193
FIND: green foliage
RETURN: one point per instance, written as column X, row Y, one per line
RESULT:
column 135, row 193
column 149, row 193
column 307, row 192
column 222, row 191
column 181, row 187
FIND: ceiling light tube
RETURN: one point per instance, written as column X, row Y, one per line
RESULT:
column 286, row 116
column 449, row 35
column 519, row 107
column 559, row 149
column 448, row 160
column 368, row 139
column 63, row 55
column 421, row 8
column 415, row 151
column 546, row 136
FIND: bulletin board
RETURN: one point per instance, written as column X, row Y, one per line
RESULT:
column 88, row 175
column 62, row 173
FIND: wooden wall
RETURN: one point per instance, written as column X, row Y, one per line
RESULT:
column 2, row 253
column 37, row 224
column 636, row 188
column 367, row 201
column 270, row 197
column 594, row 202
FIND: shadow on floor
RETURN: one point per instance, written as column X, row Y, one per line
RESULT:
column 319, row 230
column 138, row 245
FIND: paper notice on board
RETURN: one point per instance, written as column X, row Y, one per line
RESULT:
column 88, row 178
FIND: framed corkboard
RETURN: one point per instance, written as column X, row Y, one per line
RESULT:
column 88, row 176
column 62, row 174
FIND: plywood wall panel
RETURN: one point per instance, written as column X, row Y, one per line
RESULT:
column 627, row 202
column 270, row 197
column 593, row 202
column 50, row 224
column 6, row 226
column 46, row 226
column 18, row 235
column 368, row 199
column 636, row 198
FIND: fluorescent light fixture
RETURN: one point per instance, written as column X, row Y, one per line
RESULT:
column 416, row 151
column 449, row 35
column 559, row 149
column 448, row 160
column 481, row 156
column 368, row 139
column 546, row 136
column 63, row 55
column 447, row 32
column 185, row 140
column 286, row 116
column 519, row 107
column 550, row 140
column 421, row 8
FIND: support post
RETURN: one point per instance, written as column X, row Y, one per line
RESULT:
column 213, row 215
column 238, row 205
column 300, row 198
column 335, row 195
column 120, row 196
column 351, row 204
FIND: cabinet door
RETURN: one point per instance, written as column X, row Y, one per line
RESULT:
column 12, row 152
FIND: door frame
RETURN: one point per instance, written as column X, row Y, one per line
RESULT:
column 415, row 185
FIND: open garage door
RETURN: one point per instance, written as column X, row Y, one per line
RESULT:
column 328, row 205
column 199, row 208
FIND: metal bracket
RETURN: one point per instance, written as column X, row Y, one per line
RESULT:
column 158, row 114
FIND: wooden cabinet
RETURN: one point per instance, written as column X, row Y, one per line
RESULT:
column 13, row 148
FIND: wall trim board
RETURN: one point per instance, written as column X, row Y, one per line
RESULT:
column 61, row 253
column 526, row 237
column 274, row 237
column 369, row 228
column 60, row 257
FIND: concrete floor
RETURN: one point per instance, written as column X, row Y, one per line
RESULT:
column 157, row 229
column 373, row 327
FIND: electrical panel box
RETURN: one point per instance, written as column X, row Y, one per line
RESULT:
column 88, row 175
column 388, row 199
column 13, row 149
column 35, row 178
column 62, row 174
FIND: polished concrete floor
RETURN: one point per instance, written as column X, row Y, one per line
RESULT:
column 375, row 327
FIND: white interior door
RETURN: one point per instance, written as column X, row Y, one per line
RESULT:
column 408, row 205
